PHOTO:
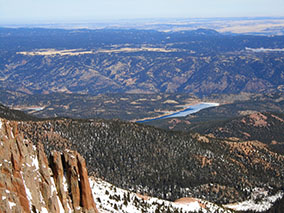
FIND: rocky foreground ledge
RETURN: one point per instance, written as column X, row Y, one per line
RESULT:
column 30, row 182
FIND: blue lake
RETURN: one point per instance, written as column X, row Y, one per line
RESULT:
column 189, row 110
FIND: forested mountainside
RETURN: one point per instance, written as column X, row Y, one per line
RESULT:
column 31, row 181
column 7, row 113
column 150, row 161
column 265, row 127
column 139, row 61
column 165, row 164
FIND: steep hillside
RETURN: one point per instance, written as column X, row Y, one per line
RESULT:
column 104, row 61
column 164, row 164
column 7, row 113
column 265, row 127
column 113, row 199
column 243, row 175
column 31, row 181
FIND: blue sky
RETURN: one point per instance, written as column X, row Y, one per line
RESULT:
column 91, row 10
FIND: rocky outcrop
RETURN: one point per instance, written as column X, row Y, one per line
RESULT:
column 29, row 182
column 87, row 200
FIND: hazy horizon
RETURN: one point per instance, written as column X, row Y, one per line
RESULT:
column 59, row 11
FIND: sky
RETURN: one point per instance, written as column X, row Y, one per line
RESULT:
column 13, row 11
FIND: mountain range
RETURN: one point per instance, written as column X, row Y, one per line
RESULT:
column 70, row 140
column 139, row 61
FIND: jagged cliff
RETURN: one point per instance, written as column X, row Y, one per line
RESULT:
column 30, row 182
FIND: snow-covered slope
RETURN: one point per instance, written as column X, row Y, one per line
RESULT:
column 260, row 201
column 110, row 198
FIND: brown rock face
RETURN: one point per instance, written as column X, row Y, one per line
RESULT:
column 86, row 192
column 58, row 173
column 49, row 196
column 18, row 185
column 70, row 162
column 28, row 182
column 12, row 185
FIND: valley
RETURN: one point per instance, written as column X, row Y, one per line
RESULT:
column 201, row 61
column 141, row 120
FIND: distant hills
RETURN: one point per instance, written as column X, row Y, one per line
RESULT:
column 264, row 127
column 38, row 61
column 234, row 25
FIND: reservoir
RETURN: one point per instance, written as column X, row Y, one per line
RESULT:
column 187, row 111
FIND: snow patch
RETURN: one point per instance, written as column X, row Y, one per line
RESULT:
column 65, row 186
column 53, row 190
column 43, row 210
column 193, row 206
column 25, row 141
column 11, row 204
column 258, row 206
column 41, row 198
column 61, row 209
column 0, row 124
column 28, row 192
column 35, row 163
column 109, row 198
column 68, row 207
column 12, row 134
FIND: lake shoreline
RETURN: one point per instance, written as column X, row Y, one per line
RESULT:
column 187, row 110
